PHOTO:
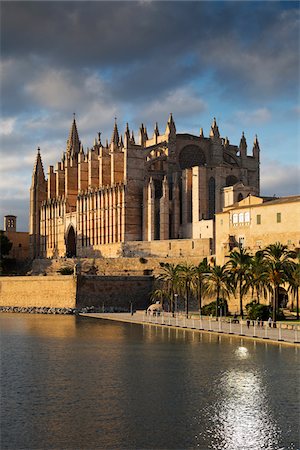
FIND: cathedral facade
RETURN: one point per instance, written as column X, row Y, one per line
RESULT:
column 164, row 187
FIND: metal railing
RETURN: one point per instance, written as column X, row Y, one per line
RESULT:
column 263, row 330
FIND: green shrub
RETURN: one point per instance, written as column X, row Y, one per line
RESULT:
column 210, row 309
column 143, row 260
column 257, row 311
column 66, row 271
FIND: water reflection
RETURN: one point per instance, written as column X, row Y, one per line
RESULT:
column 78, row 383
column 242, row 419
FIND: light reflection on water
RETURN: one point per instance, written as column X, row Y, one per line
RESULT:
column 75, row 383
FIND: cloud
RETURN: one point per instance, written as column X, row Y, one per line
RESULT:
column 182, row 102
column 7, row 126
column 259, row 116
column 279, row 179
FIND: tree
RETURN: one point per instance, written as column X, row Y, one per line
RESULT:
column 200, row 273
column 5, row 247
column 169, row 277
column 186, row 277
column 258, row 275
column 239, row 264
column 279, row 264
column 294, row 282
column 217, row 283
column 159, row 295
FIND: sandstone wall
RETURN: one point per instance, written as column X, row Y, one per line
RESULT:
column 114, row 291
column 51, row 291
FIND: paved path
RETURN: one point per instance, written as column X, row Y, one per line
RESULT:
column 280, row 334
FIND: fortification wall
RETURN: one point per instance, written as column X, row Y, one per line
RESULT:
column 114, row 291
column 51, row 291
column 66, row 291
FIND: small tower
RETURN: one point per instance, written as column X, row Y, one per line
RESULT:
column 214, row 130
column 143, row 135
column 256, row 148
column 73, row 142
column 115, row 135
column 10, row 223
column 155, row 132
column 201, row 133
column 171, row 128
column 243, row 145
column 127, row 136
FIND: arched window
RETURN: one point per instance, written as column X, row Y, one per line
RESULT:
column 231, row 180
column 71, row 243
column 241, row 217
column 211, row 197
column 191, row 156
column 235, row 218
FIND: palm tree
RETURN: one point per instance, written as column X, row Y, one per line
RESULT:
column 294, row 283
column 279, row 263
column 158, row 295
column 239, row 264
column 186, row 281
column 169, row 277
column 200, row 273
column 217, row 283
column 257, row 275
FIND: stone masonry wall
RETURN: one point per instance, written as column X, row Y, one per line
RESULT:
column 114, row 291
column 50, row 291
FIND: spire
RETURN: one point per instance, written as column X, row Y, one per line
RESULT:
column 156, row 130
column 243, row 142
column 170, row 129
column 214, row 130
column 121, row 144
column 73, row 143
column 38, row 169
column 115, row 135
column 256, row 143
column 201, row 133
column 132, row 138
column 99, row 138
column 256, row 148
column 143, row 135
column 127, row 136
column 226, row 142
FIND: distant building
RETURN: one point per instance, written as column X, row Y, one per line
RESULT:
column 254, row 223
column 19, row 239
column 166, row 187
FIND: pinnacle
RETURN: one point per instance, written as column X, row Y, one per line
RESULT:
column 73, row 143
column 115, row 134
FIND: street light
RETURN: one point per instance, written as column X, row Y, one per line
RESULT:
column 176, row 297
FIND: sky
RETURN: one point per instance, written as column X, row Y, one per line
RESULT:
column 139, row 61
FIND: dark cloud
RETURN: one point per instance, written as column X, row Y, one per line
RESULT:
column 140, row 61
column 250, row 48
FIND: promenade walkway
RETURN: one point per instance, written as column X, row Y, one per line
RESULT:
column 280, row 334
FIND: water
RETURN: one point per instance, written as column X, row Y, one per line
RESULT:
column 77, row 383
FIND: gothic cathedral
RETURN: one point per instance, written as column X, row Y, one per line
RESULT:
column 159, row 188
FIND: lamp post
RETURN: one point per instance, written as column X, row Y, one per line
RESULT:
column 176, row 297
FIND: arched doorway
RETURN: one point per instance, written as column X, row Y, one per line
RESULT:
column 282, row 298
column 71, row 243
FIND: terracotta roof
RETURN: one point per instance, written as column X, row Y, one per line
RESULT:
column 275, row 201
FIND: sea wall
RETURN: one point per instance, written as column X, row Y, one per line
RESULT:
column 114, row 291
column 67, row 291
column 39, row 291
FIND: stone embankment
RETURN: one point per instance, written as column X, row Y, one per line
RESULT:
column 61, row 311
